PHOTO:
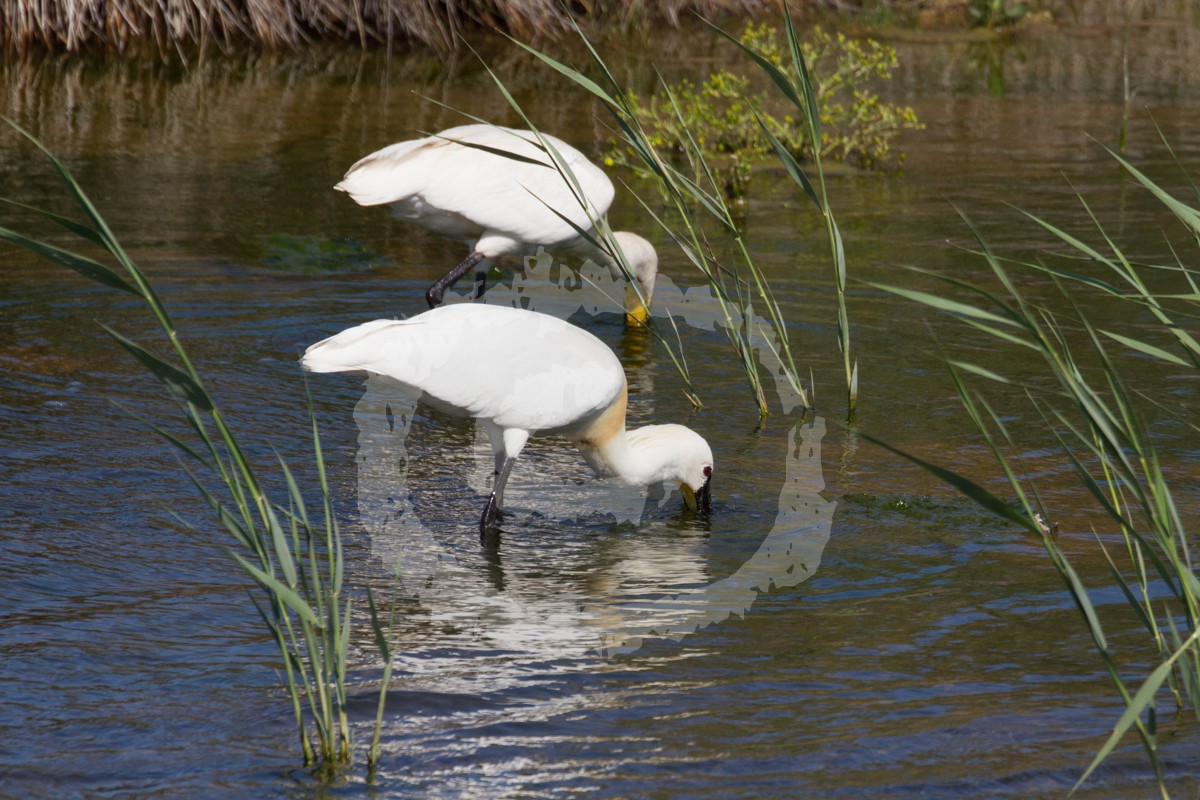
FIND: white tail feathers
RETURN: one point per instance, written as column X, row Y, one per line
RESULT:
column 346, row 352
column 382, row 177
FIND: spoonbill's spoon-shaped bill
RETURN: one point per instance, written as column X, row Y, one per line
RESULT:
column 521, row 373
column 460, row 183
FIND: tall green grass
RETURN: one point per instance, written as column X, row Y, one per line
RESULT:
column 1098, row 421
column 296, row 560
column 737, row 282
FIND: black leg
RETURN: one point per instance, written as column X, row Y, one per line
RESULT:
column 435, row 293
column 480, row 284
column 492, row 511
column 487, row 522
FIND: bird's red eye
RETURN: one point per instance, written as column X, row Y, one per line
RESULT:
column 707, row 471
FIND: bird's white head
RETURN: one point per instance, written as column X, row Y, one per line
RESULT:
column 679, row 454
column 642, row 260
column 696, row 479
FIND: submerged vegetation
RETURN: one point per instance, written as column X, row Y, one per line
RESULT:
column 1100, row 428
column 723, row 114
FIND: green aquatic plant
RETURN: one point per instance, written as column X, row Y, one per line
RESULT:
column 1099, row 423
column 296, row 560
column 722, row 115
column 295, row 253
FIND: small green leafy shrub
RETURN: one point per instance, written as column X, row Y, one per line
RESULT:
column 721, row 114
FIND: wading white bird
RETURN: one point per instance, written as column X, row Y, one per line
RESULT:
column 520, row 373
column 500, row 191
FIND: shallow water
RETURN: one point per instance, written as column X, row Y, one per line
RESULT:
column 844, row 626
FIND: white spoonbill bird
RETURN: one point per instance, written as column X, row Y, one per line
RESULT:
column 500, row 191
column 519, row 373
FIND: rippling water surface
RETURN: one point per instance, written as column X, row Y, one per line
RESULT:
column 844, row 626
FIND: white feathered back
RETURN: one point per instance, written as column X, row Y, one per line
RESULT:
column 518, row 368
column 451, row 184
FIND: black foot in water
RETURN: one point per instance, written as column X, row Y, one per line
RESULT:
column 488, row 534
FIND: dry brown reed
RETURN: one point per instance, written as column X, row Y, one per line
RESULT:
column 133, row 26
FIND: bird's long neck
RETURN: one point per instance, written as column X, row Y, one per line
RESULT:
column 613, row 458
column 605, row 446
column 584, row 249
column 613, row 452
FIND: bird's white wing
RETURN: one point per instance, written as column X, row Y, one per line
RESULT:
column 460, row 184
column 517, row 368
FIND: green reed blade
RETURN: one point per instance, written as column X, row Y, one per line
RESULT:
column 1186, row 214
column 180, row 383
column 98, row 224
column 789, row 162
column 377, row 628
column 290, row 673
column 343, row 646
column 943, row 303
column 982, row 372
column 980, row 495
column 70, row 225
column 85, row 203
column 174, row 440
column 283, row 552
column 295, row 497
column 284, row 592
column 575, row 75
column 496, row 151
column 1147, row 349
column 1141, row 701
column 809, row 108
column 82, row 264
column 782, row 81
column 1131, row 599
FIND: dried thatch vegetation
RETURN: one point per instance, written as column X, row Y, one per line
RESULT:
column 135, row 25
